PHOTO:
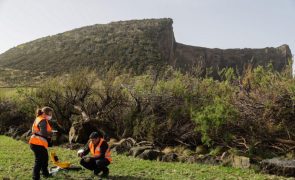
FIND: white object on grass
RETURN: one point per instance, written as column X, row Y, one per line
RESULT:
column 80, row 151
column 54, row 170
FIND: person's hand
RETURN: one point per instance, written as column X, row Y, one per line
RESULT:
column 50, row 134
column 87, row 159
column 50, row 143
column 80, row 153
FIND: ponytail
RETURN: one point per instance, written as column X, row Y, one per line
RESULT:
column 39, row 112
column 44, row 110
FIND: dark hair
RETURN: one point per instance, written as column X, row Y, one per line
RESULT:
column 45, row 110
column 95, row 135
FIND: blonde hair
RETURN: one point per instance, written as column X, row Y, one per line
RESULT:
column 45, row 110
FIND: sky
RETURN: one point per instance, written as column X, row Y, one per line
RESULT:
column 207, row 23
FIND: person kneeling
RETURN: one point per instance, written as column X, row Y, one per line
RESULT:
column 100, row 154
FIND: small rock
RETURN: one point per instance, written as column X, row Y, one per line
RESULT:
column 171, row 157
column 135, row 151
column 192, row 159
column 240, row 162
column 124, row 145
column 201, row 149
column 150, row 154
column 167, row 150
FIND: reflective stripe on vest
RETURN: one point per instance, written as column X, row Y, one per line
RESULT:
column 36, row 138
column 96, row 152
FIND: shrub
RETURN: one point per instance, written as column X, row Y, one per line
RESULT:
column 213, row 119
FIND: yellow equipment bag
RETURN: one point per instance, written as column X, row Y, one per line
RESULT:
column 54, row 160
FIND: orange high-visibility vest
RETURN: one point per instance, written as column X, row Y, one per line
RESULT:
column 96, row 152
column 36, row 138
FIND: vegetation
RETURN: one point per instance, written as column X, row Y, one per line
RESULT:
column 7, row 92
column 12, row 77
column 16, row 161
column 250, row 114
column 129, row 46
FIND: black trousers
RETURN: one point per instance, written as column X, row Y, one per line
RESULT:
column 41, row 161
column 97, row 165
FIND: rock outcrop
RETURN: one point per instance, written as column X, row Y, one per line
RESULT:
column 189, row 56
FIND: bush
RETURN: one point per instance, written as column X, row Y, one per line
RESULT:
column 213, row 120
column 216, row 111
column 252, row 113
column 13, row 116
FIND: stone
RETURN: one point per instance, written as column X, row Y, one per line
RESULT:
column 192, row 159
column 150, row 154
column 76, row 134
column 201, row 149
column 79, row 132
column 206, row 159
column 182, row 158
column 135, row 151
column 187, row 152
column 124, row 145
column 168, row 150
column 277, row 166
column 171, row 157
column 240, row 162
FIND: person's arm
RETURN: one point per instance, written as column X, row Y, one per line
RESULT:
column 44, row 133
column 43, row 129
column 86, row 149
column 103, row 149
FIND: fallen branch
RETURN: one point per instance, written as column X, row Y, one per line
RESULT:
column 285, row 141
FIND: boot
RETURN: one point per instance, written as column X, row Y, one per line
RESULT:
column 105, row 173
column 96, row 172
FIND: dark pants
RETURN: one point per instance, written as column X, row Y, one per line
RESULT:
column 41, row 161
column 97, row 165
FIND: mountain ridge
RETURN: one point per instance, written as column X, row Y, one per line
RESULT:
column 134, row 45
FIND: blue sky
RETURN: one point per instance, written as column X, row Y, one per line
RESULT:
column 208, row 23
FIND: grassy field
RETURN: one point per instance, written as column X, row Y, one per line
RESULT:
column 16, row 162
column 7, row 92
column 10, row 92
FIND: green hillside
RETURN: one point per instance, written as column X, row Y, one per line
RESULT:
column 16, row 161
column 128, row 44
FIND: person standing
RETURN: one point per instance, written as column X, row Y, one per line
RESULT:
column 40, row 141
column 100, row 155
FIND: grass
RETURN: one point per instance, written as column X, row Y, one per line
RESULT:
column 16, row 162
column 6, row 92
column 10, row 92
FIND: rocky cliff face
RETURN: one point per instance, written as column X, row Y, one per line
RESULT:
column 185, row 57
column 136, row 45
column 188, row 56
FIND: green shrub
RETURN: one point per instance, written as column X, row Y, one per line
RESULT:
column 213, row 119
